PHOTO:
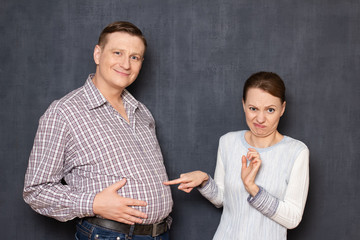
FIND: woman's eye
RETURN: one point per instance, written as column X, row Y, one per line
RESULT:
column 271, row 110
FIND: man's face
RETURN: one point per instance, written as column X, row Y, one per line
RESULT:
column 118, row 61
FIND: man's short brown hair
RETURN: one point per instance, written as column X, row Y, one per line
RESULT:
column 120, row 26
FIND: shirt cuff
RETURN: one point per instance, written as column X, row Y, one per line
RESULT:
column 206, row 184
column 209, row 190
column 264, row 202
column 85, row 205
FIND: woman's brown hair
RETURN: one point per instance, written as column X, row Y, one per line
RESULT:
column 268, row 81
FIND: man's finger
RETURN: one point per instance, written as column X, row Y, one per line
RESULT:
column 128, row 219
column 133, row 202
column 116, row 186
column 135, row 220
column 123, row 220
column 134, row 214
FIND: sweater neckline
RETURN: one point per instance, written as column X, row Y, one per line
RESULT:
column 247, row 145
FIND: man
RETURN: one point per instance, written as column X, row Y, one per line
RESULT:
column 101, row 142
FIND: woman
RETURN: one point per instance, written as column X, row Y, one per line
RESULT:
column 273, row 168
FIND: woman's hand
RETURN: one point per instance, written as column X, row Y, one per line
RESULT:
column 189, row 180
column 248, row 173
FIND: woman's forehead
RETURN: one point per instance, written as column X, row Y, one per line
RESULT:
column 257, row 95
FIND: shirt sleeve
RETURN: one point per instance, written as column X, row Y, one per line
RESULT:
column 43, row 189
column 214, row 188
column 287, row 212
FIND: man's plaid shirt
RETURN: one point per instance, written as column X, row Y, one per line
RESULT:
column 82, row 139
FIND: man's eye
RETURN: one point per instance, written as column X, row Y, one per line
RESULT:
column 271, row 110
column 117, row 53
column 252, row 109
column 135, row 58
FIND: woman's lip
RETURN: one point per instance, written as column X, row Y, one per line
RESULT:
column 259, row 125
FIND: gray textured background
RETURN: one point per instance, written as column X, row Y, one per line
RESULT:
column 199, row 55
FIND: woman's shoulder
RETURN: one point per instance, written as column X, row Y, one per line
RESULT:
column 293, row 143
column 232, row 136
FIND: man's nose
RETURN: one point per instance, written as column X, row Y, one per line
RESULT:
column 125, row 62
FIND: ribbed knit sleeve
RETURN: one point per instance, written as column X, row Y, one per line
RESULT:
column 214, row 188
column 264, row 202
column 289, row 211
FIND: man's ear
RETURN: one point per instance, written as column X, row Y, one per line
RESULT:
column 97, row 54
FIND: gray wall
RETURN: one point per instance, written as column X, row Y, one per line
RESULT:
column 200, row 53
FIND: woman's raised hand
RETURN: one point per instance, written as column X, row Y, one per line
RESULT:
column 249, row 172
column 188, row 181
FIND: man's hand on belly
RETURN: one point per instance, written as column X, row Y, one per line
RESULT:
column 110, row 205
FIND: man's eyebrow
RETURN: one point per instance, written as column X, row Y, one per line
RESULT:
column 119, row 49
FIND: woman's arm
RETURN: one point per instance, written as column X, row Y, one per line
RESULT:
column 208, row 187
column 188, row 181
column 287, row 212
column 213, row 190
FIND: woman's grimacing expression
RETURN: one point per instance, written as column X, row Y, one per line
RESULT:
column 262, row 112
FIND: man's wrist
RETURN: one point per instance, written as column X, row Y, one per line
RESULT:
column 95, row 206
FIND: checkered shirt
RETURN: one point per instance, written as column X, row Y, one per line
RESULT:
column 82, row 139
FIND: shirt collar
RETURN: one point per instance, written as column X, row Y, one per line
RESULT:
column 129, row 99
column 96, row 99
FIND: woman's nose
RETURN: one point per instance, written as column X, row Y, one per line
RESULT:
column 260, row 117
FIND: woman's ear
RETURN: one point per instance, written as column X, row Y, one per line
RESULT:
column 283, row 108
column 243, row 104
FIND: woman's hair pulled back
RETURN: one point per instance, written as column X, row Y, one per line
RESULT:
column 267, row 81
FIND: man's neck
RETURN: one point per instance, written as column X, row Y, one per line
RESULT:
column 113, row 96
column 110, row 93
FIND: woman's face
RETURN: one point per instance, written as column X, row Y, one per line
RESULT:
column 262, row 112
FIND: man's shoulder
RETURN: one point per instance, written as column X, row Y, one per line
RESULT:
column 71, row 100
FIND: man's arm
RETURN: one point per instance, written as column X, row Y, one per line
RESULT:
column 45, row 193
column 43, row 189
